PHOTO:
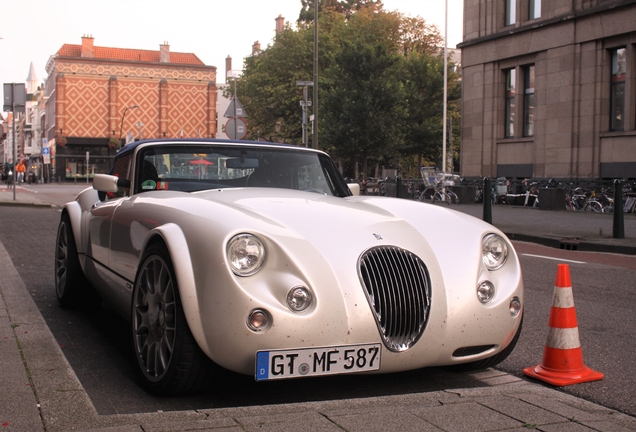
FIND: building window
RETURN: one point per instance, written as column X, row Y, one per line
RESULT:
column 528, row 101
column 534, row 9
column 511, row 12
column 511, row 79
column 617, row 90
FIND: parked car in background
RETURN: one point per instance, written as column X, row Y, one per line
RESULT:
column 258, row 258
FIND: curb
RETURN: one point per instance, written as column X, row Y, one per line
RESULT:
column 573, row 244
column 24, row 204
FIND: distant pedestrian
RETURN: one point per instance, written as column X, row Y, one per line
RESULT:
column 8, row 170
column 20, row 169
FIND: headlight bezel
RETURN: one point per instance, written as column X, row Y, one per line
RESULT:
column 489, row 253
column 252, row 246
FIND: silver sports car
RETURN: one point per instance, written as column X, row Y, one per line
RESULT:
column 260, row 259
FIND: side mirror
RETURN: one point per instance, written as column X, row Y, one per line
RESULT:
column 354, row 188
column 109, row 183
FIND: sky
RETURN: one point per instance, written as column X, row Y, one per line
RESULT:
column 34, row 30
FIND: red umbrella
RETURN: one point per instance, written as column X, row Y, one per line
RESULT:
column 201, row 162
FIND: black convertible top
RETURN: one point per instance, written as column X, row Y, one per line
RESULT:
column 132, row 146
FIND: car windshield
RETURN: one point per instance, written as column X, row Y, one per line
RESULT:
column 192, row 168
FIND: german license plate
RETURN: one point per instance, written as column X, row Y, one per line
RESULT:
column 279, row 364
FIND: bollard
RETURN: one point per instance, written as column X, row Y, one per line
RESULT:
column 619, row 219
column 59, row 180
column 487, row 201
column 399, row 186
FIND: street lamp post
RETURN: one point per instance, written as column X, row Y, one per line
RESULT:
column 123, row 116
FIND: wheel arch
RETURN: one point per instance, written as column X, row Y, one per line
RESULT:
column 74, row 212
column 172, row 236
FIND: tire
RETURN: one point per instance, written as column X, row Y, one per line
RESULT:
column 490, row 361
column 71, row 286
column 169, row 360
column 593, row 206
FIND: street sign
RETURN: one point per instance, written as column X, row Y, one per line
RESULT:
column 236, row 129
column 14, row 96
column 304, row 83
column 240, row 112
column 46, row 155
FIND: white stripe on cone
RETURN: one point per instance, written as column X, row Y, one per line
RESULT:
column 563, row 298
column 563, row 338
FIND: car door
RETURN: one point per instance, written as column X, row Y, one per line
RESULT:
column 101, row 215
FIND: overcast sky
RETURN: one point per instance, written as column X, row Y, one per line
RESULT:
column 34, row 30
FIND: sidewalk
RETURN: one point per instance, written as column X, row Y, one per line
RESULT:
column 23, row 197
column 40, row 391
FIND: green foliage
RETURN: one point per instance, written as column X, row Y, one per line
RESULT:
column 361, row 99
column 380, row 84
column 344, row 7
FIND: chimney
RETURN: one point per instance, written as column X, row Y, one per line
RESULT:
column 280, row 24
column 228, row 66
column 87, row 47
column 164, row 53
column 256, row 47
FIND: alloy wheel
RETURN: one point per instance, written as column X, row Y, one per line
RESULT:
column 154, row 318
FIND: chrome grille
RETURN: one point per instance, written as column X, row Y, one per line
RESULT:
column 397, row 286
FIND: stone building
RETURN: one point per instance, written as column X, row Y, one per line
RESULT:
column 549, row 89
column 97, row 96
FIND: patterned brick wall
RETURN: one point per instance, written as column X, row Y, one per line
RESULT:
column 186, row 110
column 86, row 107
column 145, row 94
column 91, row 99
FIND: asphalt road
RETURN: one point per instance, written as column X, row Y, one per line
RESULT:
column 96, row 342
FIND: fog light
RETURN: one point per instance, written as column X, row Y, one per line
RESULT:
column 485, row 291
column 299, row 298
column 257, row 320
column 515, row 307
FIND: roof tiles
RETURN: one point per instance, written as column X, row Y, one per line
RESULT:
column 146, row 56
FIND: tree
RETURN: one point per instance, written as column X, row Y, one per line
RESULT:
column 361, row 103
column 344, row 7
column 268, row 87
column 424, row 90
column 416, row 36
column 381, row 84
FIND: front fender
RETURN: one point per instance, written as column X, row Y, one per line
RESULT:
column 74, row 211
column 182, row 262
column 83, row 203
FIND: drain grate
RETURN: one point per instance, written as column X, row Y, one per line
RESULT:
column 569, row 243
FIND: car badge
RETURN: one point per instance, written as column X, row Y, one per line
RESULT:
column 377, row 236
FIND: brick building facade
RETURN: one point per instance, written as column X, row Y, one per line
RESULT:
column 549, row 89
column 98, row 95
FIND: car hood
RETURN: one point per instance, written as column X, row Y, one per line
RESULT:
column 324, row 221
column 344, row 227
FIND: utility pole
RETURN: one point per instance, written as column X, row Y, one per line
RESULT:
column 305, row 104
column 315, row 98
column 445, row 85
column 14, row 101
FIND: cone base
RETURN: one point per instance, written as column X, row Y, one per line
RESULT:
column 560, row 378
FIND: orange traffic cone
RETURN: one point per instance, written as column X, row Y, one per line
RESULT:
column 562, row 357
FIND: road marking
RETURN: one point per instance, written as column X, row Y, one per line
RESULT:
column 552, row 258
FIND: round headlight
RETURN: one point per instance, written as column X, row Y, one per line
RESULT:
column 494, row 250
column 485, row 291
column 299, row 298
column 246, row 254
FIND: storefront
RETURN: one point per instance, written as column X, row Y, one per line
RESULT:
column 82, row 158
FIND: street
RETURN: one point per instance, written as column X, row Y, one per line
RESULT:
column 96, row 343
